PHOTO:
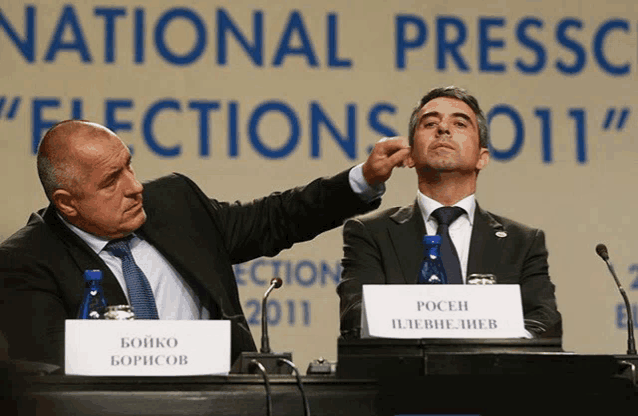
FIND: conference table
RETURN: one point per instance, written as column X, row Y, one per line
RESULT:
column 371, row 377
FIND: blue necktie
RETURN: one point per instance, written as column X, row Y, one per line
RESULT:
column 446, row 216
column 139, row 290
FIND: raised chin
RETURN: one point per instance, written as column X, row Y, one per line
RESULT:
column 443, row 163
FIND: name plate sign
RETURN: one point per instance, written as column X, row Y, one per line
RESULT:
column 146, row 347
column 442, row 311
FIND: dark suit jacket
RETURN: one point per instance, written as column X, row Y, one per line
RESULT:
column 41, row 266
column 387, row 248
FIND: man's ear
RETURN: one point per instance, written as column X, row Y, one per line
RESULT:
column 484, row 158
column 64, row 202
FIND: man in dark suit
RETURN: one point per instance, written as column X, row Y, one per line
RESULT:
column 183, row 242
column 449, row 137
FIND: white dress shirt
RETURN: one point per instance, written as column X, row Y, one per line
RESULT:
column 174, row 298
column 460, row 229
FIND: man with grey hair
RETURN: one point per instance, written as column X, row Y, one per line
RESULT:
column 449, row 141
column 182, row 243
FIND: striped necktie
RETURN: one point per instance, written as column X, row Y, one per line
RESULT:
column 139, row 290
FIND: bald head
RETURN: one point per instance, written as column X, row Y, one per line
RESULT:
column 62, row 153
column 87, row 174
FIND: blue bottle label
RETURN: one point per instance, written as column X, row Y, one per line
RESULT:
column 432, row 271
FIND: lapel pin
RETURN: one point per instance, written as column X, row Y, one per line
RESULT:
column 501, row 234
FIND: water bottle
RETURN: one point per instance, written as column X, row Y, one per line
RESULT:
column 94, row 301
column 432, row 271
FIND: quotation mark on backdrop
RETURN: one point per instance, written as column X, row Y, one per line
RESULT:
column 620, row 118
column 9, row 108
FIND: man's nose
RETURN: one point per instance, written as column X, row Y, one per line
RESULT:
column 134, row 186
column 443, row 127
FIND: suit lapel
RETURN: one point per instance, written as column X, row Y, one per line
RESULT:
column 85, row 259
column 406, row 234
column 486, row 243
column 407, row 231
column 187, row 256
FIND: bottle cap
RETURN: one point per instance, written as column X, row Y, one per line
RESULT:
column 431, row 239
column 93, row 275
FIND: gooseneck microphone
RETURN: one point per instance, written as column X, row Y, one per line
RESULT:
column 275, row 283
column 601, row 249
column 268, row 359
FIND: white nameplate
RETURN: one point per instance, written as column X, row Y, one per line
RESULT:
column 442, row 311
column 146, row 347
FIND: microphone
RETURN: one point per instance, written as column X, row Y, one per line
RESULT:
column 601, row 249
column 245, row 362
column 275, row 283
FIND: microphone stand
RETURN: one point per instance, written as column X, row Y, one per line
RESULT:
column 601, row 250
column 275, row 283
column 269, row 360
column 631, row 340
column 629, row 363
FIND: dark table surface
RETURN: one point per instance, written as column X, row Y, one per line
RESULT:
column 380, row 379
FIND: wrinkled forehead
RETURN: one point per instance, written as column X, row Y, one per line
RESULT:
column 96, row 149
column 90, row 140
column 447, row 106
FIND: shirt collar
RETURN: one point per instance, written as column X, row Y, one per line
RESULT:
column 428, row 205
column 96, row 243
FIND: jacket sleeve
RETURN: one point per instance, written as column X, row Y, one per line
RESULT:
column 541, row 314
column 32, row 312
column 265, row 226
column 362, row 265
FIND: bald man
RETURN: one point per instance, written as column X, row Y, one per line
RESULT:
column 184, row 243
